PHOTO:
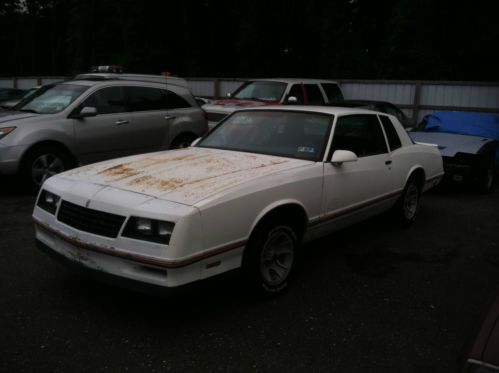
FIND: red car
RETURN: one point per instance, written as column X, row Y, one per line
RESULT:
column 265, row 92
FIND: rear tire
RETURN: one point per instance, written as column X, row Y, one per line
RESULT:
column 41, row 163
column 407, row 207
column 270, row 258
column 182, row 141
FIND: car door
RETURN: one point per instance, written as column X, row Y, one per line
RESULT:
column 183, row 118
column 355, row 190
column 107, row 134
column 149, row 117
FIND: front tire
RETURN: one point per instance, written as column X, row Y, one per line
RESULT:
column 41, row 163
column 486, row 177
column 269, row 260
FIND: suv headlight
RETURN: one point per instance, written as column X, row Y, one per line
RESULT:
column 5, row 131
column 149, row 229
column 48, row 201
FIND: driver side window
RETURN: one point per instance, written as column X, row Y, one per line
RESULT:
column 296, row 91
column 361, row 134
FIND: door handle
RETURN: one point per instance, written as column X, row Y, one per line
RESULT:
column 388, row 162
column 119, row 122
column 168, row 117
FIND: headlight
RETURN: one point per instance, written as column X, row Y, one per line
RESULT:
column 48, row 201
column 5, row 131
column 149, row 230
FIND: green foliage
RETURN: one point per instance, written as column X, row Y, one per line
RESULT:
column 364, row 39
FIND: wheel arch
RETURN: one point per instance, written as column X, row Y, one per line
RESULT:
column 47, row 143
column 290, row 211
column 419, row 174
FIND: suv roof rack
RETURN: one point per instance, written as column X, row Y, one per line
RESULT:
column 134, row 77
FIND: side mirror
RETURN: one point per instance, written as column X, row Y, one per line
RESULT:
column 87, row 111
column 292, row 100
column 341, row 156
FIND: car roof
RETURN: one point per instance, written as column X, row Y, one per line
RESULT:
column 333, row 110
column 360, row 102
column 79, row 82
column 144, row 78
column 294, row 80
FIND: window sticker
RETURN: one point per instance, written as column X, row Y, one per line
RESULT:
column 305, row 149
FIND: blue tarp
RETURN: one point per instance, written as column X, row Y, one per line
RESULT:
column 464, row 123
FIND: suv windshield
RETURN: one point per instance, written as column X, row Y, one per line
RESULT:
column 261, row 91
column 52, row 100
column 282, row 133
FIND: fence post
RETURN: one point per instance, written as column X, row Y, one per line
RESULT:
column 417, row 101
column 216, row 88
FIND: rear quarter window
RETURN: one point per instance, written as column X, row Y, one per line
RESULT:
column 391, row 133
column 174, row 101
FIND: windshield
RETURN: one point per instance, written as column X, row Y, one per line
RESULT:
column 51, row 99
column 283, row 133
column 261, row 91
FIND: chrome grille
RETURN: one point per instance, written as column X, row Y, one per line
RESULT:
column 89, row 220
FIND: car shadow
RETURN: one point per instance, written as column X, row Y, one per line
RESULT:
column 12, row 186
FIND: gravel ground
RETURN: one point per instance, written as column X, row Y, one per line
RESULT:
column 372, row 298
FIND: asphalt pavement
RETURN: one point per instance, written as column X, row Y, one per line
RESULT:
column 371, row 298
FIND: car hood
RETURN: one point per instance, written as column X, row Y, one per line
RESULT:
column 450, row 144
column 229, row 105
column 9, row 116
column 185, row 176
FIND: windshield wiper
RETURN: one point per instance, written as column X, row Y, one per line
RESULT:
column 29, row 111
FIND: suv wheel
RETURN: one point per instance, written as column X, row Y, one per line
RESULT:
column 42, row 163
column 182, row 141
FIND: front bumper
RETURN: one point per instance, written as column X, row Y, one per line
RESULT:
column 465, row 168
column 10, row 158
column 99, row 275
column 136, row 267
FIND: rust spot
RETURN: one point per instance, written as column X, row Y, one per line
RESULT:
column 119, row 172
column 147, row 162
column 134, row 168
column 150, row 181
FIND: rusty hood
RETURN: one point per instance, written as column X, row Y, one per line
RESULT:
column 184, row 176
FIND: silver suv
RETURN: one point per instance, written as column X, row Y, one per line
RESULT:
column 95, row 117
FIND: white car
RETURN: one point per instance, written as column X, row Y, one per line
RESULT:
column 246, row 195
